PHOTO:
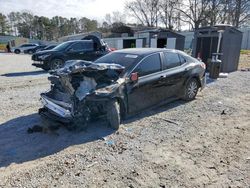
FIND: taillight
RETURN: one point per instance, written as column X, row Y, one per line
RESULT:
column 203, row 65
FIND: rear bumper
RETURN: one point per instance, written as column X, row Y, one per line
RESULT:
column 203, row 82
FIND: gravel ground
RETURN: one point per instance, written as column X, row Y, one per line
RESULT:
column 202, row 143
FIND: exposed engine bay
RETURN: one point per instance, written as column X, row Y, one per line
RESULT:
column 80, row 90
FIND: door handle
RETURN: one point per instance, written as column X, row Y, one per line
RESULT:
column 162, row 77
column 161, row 80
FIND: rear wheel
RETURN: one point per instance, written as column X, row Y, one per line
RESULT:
column 56, row 64
column 191, row 89
column 17, row 51
column 30, row 51
column 113, row 114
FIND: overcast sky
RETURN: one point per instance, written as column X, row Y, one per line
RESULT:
column 94, row 9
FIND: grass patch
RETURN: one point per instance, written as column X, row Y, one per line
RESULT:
column 244, row 51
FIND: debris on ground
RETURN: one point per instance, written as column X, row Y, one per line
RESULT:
column 207, row 150
column 223, row 75
column 245, row 69
column 223, row 112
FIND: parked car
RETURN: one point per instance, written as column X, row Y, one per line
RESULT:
column 33, row 50
column 21, row 48
column 77, row 49
column 119, row 84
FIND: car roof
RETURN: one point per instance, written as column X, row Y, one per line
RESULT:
column 144, row 51
column 73, row 41
column 29, row 44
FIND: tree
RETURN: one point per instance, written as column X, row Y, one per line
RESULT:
column 87, row 25
column 241, row 12
column 146, row 12
column 169, row 14
column 233, row 12
column 193, row 12
column 4, row 27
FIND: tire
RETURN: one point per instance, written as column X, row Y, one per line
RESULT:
column 113, row 114
column 56, row 64
column 17, row 51
column 191, row 89
column 30, row 51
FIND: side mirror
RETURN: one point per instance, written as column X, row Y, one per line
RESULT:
column 134, row 77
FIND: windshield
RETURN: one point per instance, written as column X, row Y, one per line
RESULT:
column 49, row 47
column 62, row 46
column 122, row 59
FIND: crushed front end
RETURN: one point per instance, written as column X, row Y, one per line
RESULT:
column 80, row 91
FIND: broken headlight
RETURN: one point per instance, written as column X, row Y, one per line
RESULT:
column 107, row 90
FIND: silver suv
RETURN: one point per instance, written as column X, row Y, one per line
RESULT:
column 23, row 47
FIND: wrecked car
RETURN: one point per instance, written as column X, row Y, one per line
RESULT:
column 119, row 84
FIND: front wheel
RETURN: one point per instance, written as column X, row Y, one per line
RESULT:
column 56, row 64
column 191, row 89
column 113, row 114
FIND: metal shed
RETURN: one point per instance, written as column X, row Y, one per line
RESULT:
column 206, row 41
column 162, row 38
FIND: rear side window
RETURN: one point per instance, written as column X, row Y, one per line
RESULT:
column 89, row 46
column 26, row 45
column 182, row 59
column 172, row 60
column 77, row 46
column 149, row 65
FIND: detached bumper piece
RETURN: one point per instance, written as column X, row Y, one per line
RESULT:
column 54, row 111
column 39, row 65
column 48, row 115
column 203, row 82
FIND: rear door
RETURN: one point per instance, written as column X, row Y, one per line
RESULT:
column 93, row 52
column 76, row 51
column 175, row 71
column 149, row 89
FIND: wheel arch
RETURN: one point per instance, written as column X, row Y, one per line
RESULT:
column 195, row 76
column 53, row 58
column 123, row 108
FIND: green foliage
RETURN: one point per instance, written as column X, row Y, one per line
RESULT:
column 245, row 52
column 4, row 27
column 27, row 25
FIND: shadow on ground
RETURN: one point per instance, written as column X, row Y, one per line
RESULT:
column 155, row 110
column 31, row 73
column 17, row 146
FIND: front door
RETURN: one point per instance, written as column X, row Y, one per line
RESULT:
column 149, row 89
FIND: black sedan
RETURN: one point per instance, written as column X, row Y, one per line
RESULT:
column 121, row 83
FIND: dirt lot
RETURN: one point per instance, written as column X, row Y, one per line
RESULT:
column 203, row 143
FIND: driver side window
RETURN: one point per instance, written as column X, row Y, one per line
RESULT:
column 149, row 65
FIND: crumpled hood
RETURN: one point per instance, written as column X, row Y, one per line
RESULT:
column 81, row 66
